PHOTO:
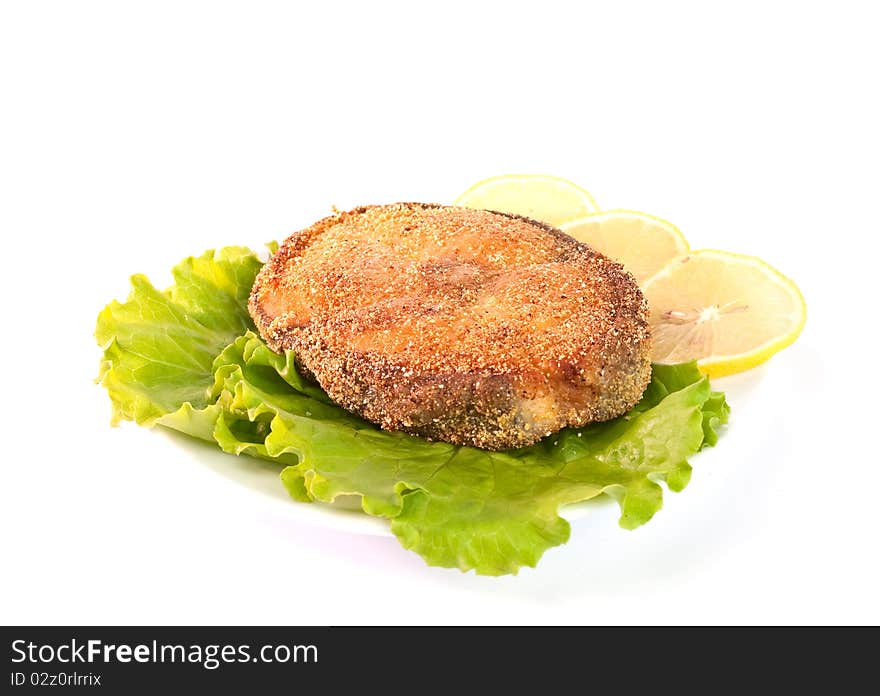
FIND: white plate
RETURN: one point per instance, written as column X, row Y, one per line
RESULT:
column 258, row 479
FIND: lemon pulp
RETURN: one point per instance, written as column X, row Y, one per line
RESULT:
column 729, row 312
column 537, row 196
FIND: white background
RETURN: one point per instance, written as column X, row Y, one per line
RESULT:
column 133, row 134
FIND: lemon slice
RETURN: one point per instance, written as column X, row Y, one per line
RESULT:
column 642, row 243
column 729, row 312
column 540, row 197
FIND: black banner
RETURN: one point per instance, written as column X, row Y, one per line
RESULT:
column 250, row 659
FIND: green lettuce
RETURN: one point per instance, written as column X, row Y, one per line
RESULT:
column 189, row 359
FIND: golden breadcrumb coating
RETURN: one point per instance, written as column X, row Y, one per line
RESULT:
column 469, row 326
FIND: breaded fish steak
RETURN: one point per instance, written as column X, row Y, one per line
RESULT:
column 468, row 326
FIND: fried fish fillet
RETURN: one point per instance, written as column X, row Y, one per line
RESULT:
column 468, row 326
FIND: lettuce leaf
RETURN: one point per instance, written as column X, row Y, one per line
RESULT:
column 159, row 347
column 188, row 358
